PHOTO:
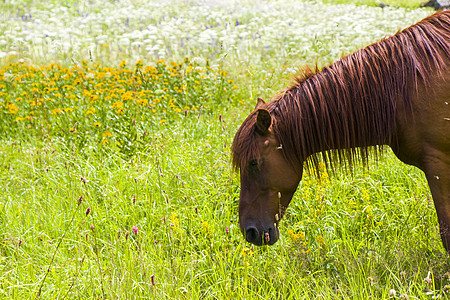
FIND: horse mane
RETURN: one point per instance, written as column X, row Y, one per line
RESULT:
column 350, row 106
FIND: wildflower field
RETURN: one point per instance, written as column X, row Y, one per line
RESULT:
column 116, row 119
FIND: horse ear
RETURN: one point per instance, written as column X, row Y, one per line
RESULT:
column 260, row 103
column 263, row 121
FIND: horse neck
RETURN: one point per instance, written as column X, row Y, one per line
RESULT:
column 353, row 102
column 336, row 111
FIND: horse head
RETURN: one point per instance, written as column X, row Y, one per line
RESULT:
column 268, row 180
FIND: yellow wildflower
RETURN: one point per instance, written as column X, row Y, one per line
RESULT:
column 205, row 228
column 142, row 102
column 295, row 237
column 12, row 108
column 321, row 241
column 117, row 105
column 175, row 223
column 107, row 134
column 365, row 195
column 127, row 96
column 56, row 111
column 246, row 252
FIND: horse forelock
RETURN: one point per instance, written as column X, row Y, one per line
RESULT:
column 244, row 147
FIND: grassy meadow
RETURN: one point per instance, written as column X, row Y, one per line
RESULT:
column 116, row 120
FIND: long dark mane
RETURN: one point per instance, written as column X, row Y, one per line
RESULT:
column 350, row 106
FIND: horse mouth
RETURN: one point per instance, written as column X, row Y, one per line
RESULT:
column 263, row 237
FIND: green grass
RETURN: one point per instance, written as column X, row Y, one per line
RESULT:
column 165, row 171
column 378, row 226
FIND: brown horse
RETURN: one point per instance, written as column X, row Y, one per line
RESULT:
column 394, row 92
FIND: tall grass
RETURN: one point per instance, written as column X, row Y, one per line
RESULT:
column 351, row 236
column 150, row 209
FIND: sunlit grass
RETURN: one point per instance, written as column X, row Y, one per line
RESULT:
column 368, row 232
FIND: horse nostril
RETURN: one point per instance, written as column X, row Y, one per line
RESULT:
column 252, row 235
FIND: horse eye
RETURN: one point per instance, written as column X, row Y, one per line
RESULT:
column 253, row 164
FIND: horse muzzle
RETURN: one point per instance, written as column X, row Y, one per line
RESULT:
column 261, row 237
